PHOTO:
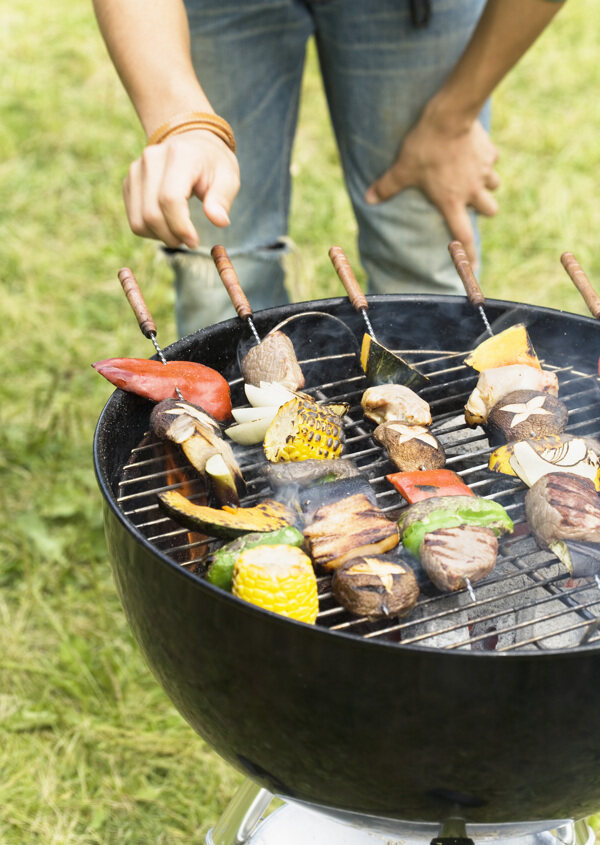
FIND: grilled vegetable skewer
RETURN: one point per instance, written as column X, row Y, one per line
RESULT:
column 581, row 282
column 470, row 283
column 138, row 305
column 272, row 359
column 381, row 365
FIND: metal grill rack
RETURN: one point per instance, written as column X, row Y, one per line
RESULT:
column 528, row 602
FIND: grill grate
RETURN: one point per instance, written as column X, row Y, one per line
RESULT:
column 528, row 602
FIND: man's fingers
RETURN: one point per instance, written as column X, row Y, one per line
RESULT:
column 388, row 185
column 485, row 203
column 219, row 196
column 492, row 181
column 460, row 226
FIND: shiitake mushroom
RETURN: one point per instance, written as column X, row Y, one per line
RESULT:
column 525, row 415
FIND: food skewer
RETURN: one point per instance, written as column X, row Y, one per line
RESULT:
column 232, row 285
column 350, row 282
column 387, row 367
column 138, row 305
column 470, row 283
column 581, row 282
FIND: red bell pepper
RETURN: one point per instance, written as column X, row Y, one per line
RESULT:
column 425, row 484
column 198, row 384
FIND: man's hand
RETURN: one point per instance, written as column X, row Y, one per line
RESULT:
column 161, row 181
column 454, row 169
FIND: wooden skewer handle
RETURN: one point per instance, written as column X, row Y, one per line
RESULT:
column 347, row 278
column 581, row 282
column 231, row 282
column 466, row 274
column 136, row 300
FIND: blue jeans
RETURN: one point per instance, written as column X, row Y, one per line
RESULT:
column 378, row 72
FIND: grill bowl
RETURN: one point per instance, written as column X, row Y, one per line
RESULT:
column 348, row 724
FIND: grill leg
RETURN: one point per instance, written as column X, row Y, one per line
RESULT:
column 241, row 816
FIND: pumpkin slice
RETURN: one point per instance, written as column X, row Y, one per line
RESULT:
column 226, row 522
column 512, row 346
column 382, row 366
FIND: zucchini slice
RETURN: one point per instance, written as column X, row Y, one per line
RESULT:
column 226, row 523
column 382, row 366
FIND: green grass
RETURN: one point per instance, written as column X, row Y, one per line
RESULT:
column 91, row 751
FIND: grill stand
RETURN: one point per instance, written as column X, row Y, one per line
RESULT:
column 245, row 822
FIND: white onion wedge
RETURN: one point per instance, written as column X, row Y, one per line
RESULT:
column 249, row 433
column 243, row 415
column 269, row 394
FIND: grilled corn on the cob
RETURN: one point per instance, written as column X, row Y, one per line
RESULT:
column 278, row 578
column 302, row 429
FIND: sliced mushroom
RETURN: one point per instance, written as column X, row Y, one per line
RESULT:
column 375, row 586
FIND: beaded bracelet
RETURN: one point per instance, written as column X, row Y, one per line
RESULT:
column 194, row 120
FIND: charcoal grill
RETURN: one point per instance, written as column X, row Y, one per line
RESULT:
column 483, row 704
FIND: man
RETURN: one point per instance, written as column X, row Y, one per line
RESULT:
column 407, row 84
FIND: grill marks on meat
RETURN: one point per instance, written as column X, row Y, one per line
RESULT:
column 451, row 555
column 563, row 506
column 273, row 360
column 349, row 528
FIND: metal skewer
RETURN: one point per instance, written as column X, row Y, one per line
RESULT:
column 350, row 282
column 140, row 309
column 470, row 283
column 581, row 282
column 232, row 285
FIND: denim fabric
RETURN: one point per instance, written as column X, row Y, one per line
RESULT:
column 378, row 71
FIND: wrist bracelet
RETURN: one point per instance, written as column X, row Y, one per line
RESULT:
column 194, row 120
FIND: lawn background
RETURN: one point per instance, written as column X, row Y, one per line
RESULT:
column 91, row 751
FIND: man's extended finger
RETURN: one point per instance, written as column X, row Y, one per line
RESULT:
column 220, row 195
column 388, row 185
column 460, row 226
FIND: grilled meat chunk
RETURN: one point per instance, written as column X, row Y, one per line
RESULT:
column 410, row 447
column 273, row 359
column 395, row 402
column 375, row 586
column 495, row 383
column 349, row 528
column 451, row 555
column 563, row 506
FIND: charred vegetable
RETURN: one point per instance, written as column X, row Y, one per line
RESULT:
column 312, row 498
column 226, row 522
column 277, row 578
column 450, row 556
column 512, row 346
column 220, row 571
column 425, row 484
column 200, row 385
column 273, row 360
column 375, row 586
column 495, row 383
column 449, row 512
column 382, row 366
column 349, row 528
column 200, row 440
column 529, row 460
column 303, row 429
column 310, row 471
column 410, row 447
column 395, row 402
column 525, row 414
